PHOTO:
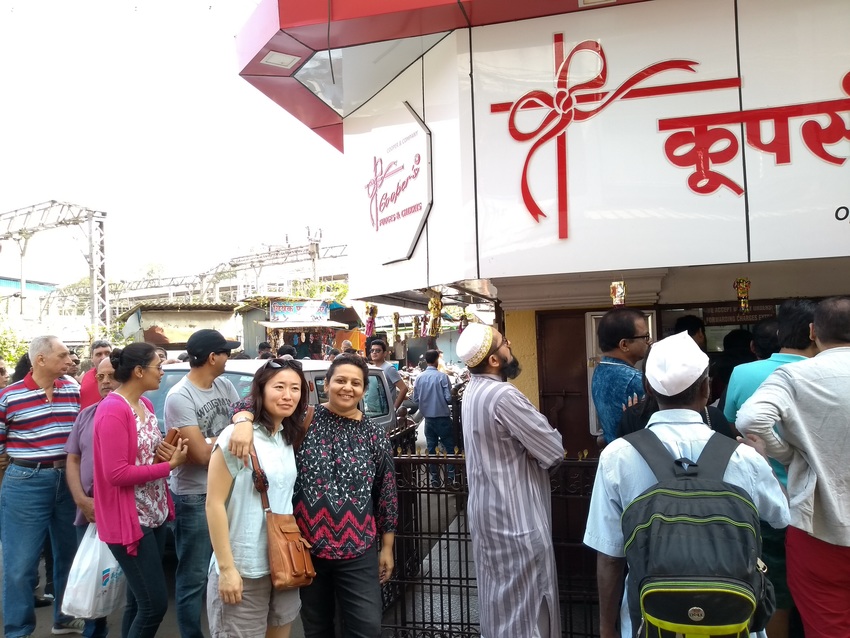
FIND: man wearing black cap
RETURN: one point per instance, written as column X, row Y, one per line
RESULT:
column 199, row 405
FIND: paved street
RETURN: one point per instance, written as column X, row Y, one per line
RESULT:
column 168, row 629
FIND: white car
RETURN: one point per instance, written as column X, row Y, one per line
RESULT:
column 375, row 404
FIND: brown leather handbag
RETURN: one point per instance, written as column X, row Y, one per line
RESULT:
column 290, row 563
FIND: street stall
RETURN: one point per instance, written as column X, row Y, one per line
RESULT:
column 304, row 324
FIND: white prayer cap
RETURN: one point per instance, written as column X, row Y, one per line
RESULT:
column 474, row 343
column 674, row 364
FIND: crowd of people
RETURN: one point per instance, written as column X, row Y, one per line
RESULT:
column 781, row 392
column 109, row 464
column 75, row 457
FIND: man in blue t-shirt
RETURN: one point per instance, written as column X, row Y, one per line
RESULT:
column 624, row 340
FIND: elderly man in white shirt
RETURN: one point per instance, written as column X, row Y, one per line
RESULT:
column 677, row 371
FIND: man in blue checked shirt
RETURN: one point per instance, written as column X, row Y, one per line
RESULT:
column 434, row 396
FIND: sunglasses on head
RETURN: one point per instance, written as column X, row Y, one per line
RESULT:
column 278, row 364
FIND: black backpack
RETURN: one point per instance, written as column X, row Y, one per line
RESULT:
column 693, row 547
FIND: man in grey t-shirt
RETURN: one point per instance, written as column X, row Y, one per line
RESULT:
column 199, row 405
column 378, row 353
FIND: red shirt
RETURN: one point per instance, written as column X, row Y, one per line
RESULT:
column 89, row 394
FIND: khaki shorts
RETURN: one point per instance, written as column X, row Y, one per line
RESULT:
column 262, row 606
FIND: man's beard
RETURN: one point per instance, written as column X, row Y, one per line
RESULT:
column 509, row 370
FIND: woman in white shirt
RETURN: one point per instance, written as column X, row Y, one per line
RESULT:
column 240, row 597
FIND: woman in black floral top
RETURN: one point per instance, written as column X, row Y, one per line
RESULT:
column 345, row 496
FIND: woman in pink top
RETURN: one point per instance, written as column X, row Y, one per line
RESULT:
column 131, row 498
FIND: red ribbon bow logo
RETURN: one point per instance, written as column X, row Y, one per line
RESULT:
column 562, row 110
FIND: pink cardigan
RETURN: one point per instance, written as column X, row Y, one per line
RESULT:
column 116, row 473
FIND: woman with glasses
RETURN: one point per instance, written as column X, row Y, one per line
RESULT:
column 345, row 502
column 131, row 497
column 240, row 598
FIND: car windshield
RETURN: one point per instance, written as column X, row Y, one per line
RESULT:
column 376, row 402
column 240, row 380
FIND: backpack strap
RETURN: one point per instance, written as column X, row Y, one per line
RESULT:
column 711, row 464
column 658, row 457
column 715, row 456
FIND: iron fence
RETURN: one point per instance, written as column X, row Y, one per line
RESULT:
column 433, row 593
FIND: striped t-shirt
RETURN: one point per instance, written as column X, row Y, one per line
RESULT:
column 32, row 427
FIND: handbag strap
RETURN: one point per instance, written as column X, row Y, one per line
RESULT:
column 255, row 463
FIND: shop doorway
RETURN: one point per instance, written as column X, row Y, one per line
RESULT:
column 563, row 360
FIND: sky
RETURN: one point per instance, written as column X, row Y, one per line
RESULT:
column 136, row 108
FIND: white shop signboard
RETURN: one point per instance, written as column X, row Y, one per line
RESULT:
column 663, row 133
column 396, row 180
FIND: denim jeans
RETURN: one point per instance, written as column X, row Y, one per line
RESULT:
column 95, row 627
column 440, row 429
column 147, row 591
column 192, row 542
column 33, row 503
column 354, row 584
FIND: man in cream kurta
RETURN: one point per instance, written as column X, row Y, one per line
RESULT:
column 510, row 447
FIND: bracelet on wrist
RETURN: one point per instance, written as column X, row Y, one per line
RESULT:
column 242, row 419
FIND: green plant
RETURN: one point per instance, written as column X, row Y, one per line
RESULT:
column 12, row 346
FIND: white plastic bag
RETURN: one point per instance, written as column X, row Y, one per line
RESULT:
column 96, row 584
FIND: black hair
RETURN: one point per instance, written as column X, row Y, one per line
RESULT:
column 127, row 359
column 350, row 360
column 264, row 345
column 765, row 338
column 266, row 355
column 287, row 349
column 794, row 317
column 737, row 340
column 333, row 351
column 240, row 355
column 432, row 356
column 616, row 325
column 686, row 397
column 23, row 366
column 832, row 320
column 381, row 343
column 100, row 343
column 349, row 351
column 691, row 323
column 293, row 424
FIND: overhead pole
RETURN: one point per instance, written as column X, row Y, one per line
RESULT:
column 21, row 224
column 99, row 290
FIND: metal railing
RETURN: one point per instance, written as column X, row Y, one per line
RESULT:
column 433, row 593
